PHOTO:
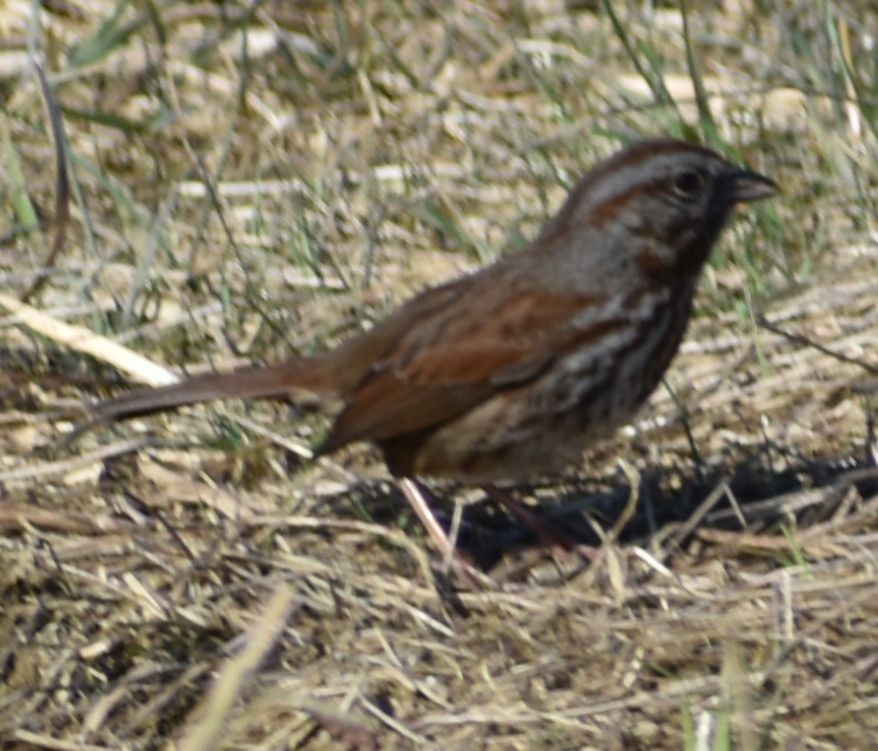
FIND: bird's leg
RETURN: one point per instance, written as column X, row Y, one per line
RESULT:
column 417, row 494
column 561, row 546
column 549, row 535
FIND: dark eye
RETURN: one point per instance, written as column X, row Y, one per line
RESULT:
column 688, row 182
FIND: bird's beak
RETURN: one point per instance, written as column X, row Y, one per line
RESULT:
column 744, row 185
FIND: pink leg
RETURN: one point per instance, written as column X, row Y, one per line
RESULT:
column 416, row 494
column 549, row 536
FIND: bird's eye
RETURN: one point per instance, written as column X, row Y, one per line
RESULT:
column 687, row 183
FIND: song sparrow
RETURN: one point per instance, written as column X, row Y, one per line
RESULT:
column 509, row 372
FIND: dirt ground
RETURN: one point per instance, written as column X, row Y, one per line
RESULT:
column 256, row 181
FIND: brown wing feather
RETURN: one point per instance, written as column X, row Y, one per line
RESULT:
column 422, row 382
column 433, row 389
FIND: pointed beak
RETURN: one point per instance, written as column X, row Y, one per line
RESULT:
column 744, row 185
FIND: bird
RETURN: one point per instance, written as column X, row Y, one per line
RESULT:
column 508, row 373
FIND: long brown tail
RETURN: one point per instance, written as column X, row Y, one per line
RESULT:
column 258, row 382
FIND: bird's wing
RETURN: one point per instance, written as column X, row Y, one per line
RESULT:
column 448, row 364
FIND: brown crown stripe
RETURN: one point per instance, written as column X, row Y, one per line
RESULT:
column 641, row 152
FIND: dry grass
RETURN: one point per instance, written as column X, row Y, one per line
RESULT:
column 254, row 181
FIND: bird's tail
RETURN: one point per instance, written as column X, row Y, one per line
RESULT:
column 305, row 377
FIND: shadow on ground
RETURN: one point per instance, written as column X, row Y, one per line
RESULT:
column 752, row 495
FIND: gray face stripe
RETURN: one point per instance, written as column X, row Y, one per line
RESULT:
column 612, row 184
